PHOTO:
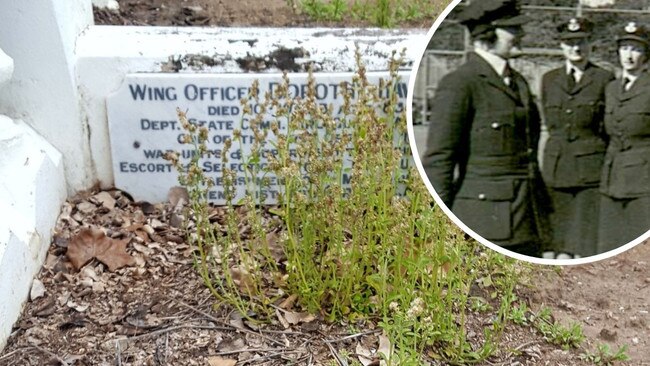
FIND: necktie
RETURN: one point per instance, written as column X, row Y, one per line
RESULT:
column 508, row 78
column 571, row 79
column 627, row 84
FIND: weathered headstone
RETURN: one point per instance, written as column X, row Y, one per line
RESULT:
column 143, row 124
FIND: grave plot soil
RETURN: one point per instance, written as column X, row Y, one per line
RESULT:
column 224, row 13
column 140, row 302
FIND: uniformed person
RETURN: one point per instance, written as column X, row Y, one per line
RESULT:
column 625, row 182
column 573, row 100
column 483, row 135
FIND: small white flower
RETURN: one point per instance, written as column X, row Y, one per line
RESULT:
column 393, row 306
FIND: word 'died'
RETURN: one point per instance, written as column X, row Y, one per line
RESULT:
column 144, row 127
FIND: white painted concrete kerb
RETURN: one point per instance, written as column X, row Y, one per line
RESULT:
column 32, row 190
column 31, row 195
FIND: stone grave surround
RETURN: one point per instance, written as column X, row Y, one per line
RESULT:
column 54, row 130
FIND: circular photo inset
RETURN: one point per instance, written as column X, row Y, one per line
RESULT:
column 531, row 126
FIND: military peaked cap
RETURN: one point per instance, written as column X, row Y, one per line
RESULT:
column 575, row 28
column 484, row 15
column 634, row 32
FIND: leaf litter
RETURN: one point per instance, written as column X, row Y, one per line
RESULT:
column 119, row 288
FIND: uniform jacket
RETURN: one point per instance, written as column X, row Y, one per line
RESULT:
column 481, row 143
column 626, row 171
column 574, row 152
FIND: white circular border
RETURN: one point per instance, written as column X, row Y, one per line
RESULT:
column 447, row 211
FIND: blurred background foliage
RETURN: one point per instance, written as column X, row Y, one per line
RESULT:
column 541, row 31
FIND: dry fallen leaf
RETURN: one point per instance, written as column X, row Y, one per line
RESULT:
column 242, row 278
column 281, row 319
column 93, row 243
column 218, row 361
column 385, row 349
column 296, row 318
column 275, row 247
column 105, row 199
column 86, row 207
column 78, row 307
column 289, row 302
column 365, row 356
column 177, row 196
column 37, row 290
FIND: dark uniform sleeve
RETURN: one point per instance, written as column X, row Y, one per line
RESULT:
column 447, row 146
column 546, row 81
column 609, row 77
column 535, row 123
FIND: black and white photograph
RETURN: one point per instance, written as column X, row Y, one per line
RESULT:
column 533, row 125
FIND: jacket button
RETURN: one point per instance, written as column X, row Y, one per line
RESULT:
column 481, row 196
column 495, row 125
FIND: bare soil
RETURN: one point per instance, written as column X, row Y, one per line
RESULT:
column 155, row 310
column 226, row 13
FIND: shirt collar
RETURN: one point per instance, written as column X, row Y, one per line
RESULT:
column 496, row 62
column 577, row 72
column 630, row 77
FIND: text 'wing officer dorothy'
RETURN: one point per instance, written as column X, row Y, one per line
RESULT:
column 573, row 97
column 483, row 135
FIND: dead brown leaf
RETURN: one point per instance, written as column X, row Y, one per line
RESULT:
column 385, row 348
column 275, row 247
column 297, row 318
column 289, row 302
column 244, row 279
column 105, row 199
column 218, row 361
column 281, row 319
column 177, row 196
column 365, row 355
column 93, row 243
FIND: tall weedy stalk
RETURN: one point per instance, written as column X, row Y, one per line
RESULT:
column 354, row 235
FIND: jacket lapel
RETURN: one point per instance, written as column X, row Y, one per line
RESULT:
column 522, row 87
column 640, row 86
column 490, row 76
column 587, row 78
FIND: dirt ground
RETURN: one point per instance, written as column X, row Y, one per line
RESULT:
column 225, row 13
column 610, row 299
column 157, row 311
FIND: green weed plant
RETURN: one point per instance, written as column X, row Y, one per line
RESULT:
column 605, row 356
column 381, row 13
column 374, row 249
column 556, row 333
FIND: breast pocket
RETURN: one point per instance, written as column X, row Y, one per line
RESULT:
column 589, row 112
column 494, row 134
